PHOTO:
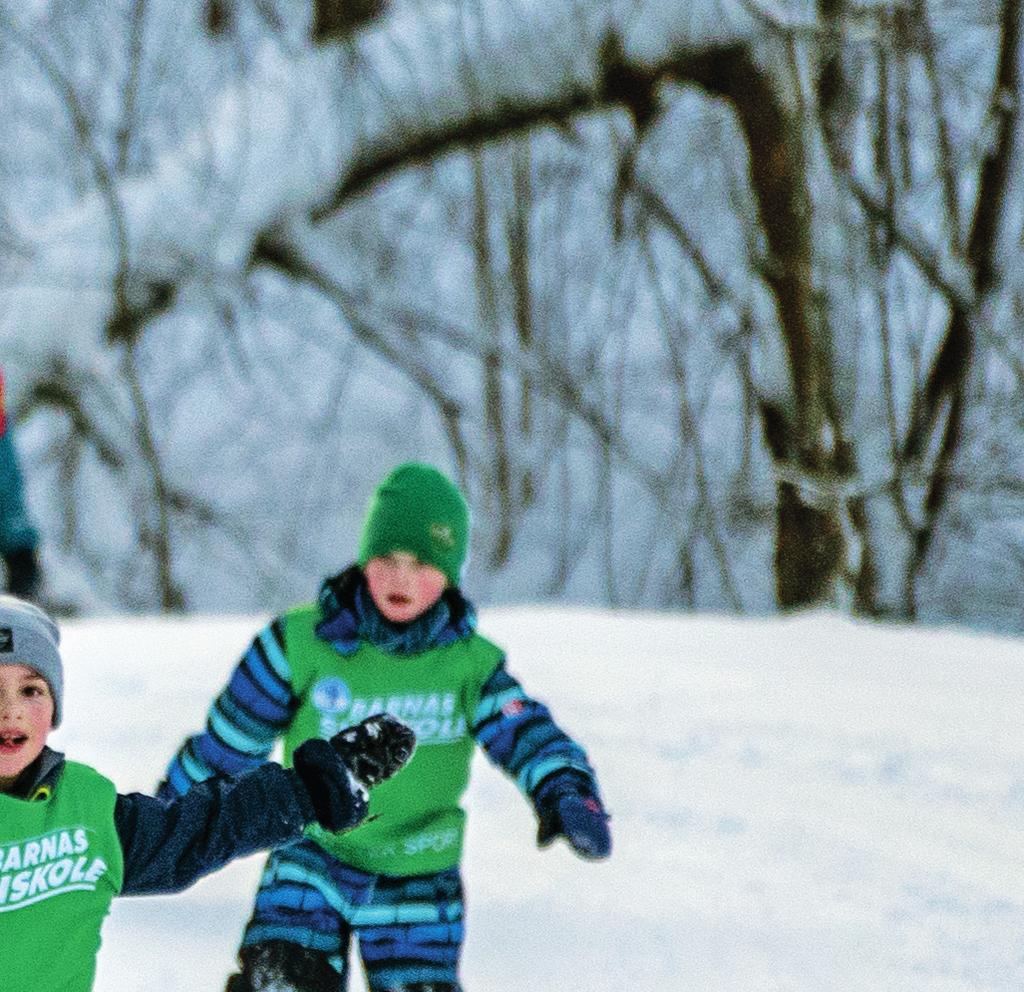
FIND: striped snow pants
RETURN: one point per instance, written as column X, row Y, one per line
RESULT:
column 408, row 930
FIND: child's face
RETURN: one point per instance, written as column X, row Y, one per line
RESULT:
column 403, row 587
column 26, row 715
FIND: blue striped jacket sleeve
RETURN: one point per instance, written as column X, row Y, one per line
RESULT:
column 518, row 734
column 251, row 712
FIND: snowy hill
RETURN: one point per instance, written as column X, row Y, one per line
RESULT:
column 799, row 806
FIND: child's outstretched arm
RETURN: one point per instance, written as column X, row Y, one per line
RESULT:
column 169, row 844
column 519, row 735
column 252, row 710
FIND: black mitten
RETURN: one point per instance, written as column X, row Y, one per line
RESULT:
column 568, row 806
column 376, row 748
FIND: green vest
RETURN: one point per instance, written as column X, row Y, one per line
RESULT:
column 416, row 825
column 61, row 864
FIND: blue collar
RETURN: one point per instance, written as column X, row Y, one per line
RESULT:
column 42, row 773
column 350, row 617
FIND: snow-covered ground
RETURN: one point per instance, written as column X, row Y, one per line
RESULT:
column 798, row 805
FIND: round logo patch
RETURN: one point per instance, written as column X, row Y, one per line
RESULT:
column 442, row 534
column 331, row 695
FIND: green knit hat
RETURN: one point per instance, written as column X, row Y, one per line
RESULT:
column 419, row 510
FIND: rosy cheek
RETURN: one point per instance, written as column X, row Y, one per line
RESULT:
column 430, row 589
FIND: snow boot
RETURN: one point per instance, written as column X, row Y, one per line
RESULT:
column 424, row 987
column 279, row 966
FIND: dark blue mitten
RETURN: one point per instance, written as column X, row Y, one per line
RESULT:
column 338, row 773
column 568, row 806
column 339, row 799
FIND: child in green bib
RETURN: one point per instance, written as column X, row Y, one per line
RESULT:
column 391, row 633
column 69, row 843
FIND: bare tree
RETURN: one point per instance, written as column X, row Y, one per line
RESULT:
column 665, row 281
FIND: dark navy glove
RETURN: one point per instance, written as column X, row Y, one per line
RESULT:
column 339, row 799
column 339, row 773
column 568, row 806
